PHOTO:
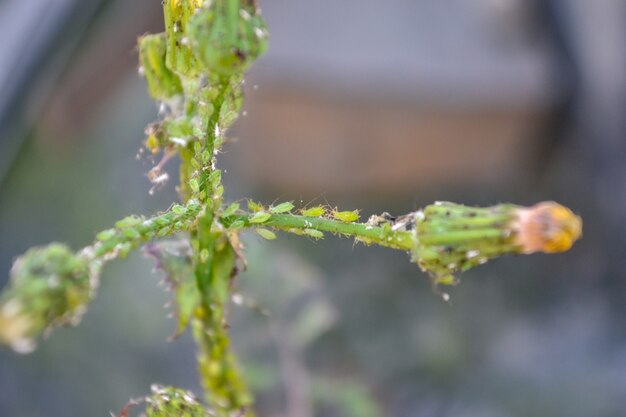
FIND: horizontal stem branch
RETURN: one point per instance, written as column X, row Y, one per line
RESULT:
column 369, row 234
column 134, row 230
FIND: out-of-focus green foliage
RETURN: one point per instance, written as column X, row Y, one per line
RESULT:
column 50, row 286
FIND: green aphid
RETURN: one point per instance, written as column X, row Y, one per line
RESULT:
column 314, row 211
column 237, row 224
column 346, row 216
column 253, row 206
column 131, row 233
column 194, row 185
column 178, row 209
column 266, row 234
column 282, row 208
column 260, row 217
column 313, row 233
column 215, row 177
column 230, row 210
column 130, row 221
column 106, row 234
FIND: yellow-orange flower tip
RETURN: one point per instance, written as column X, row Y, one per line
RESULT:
column 546, row 227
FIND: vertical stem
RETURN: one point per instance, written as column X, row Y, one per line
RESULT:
column 214, row 262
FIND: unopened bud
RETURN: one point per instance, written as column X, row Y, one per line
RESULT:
column 451, row 238
column 49, row 286
column 227, row 36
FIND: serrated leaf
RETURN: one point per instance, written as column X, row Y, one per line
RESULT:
column 314, row 211
column 252, row 206
column 266, row 234
column 282, row 208
column 314, row 233
column 346, row 216
column 260, row 217
column 230, row 210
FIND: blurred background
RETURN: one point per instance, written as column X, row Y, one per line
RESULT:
column 383, row 106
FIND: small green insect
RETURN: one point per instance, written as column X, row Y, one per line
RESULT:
column 318, row 211
column 346, row 216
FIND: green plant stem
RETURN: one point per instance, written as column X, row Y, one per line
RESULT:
column 363, row 232
column 135, row 230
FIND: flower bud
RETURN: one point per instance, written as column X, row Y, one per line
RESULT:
column 451, row 238
column 227, row 36
column 49, row 286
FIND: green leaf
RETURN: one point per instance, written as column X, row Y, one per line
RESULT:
column 266, row 234
column 314, row 233
column 260, row 217
column 282, row 208
column 230, row 210
column 314, row 211
column 162, row 83
column 346, row 216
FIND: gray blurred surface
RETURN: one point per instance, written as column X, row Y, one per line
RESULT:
column 37, row 39
column 457, row 52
